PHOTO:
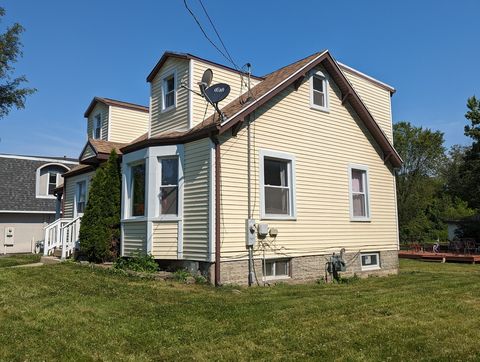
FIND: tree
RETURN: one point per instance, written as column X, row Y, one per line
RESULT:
column 100, row 226
column 417, row 184
column 11, row 92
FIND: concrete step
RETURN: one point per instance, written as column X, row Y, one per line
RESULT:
column 49, row 260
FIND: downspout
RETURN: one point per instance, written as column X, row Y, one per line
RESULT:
column 217, row 210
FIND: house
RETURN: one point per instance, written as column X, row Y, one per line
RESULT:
column 28, row 199
column 298, row 165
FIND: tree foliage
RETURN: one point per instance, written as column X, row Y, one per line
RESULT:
column 11, row 92
column 100, row 226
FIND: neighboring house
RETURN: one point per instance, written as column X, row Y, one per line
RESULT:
column 306, row 153
column 28, row 201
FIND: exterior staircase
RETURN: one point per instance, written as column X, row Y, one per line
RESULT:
column 61, row 237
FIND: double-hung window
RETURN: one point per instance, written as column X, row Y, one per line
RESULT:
column 359, row 198
column 97, row 126
column 169, row 186
column 52, row 181
column 318, row 91
column 81, row 197
column 169, row 92
column 137, row 190
column 277, row 185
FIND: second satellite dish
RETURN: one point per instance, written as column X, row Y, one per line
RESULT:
column 217, row 92
column 207, row 77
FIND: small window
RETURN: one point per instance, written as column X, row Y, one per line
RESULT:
column 276, row 269
column 359, row 202
column 319, row 86
column 49, row 177
column 97, row 126
column 169, row 92
column 169, row 186
column 370, row 261
column 137, row 188
column 81, row 197
column 277, row 189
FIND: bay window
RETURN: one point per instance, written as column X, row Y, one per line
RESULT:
column 169, row 186
column 137, row 190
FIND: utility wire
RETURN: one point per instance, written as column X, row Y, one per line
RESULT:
column 218, row 36
column 206, row 35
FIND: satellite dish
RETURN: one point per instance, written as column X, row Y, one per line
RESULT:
column 217, row 92
column 207, row 77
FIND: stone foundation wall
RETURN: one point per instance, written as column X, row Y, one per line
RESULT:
column 307, row 268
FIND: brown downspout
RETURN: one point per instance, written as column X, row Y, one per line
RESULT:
column 217, row 211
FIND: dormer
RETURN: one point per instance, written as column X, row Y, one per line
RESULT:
column 173, row 106
column 115, row 121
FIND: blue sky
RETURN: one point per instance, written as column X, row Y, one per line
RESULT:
column 74, row 50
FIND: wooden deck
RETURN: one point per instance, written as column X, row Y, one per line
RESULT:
column 442, row 257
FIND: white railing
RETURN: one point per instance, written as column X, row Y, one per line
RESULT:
column 62, row 234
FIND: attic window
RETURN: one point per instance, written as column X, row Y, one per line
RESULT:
column 49, row 177
column 319, row 91
column 168, row 92
column 97, row 126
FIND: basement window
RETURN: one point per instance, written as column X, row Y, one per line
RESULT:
column 277, row 180
column 277, row 268
column 318, row 91
column 370, row 261
column 168, row 92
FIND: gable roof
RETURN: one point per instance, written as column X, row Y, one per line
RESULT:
column 187, row 56
column 78, row 170
column 273, row 83
column 115, row 103
column 101, row 150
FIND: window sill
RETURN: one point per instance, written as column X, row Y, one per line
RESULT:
column 45, row 197
column 278, row 278
column 370, row 268
column 166, row 218
column 321, row 109
column 278, row 217
column 360, row 219
column 134, row 219
column 171, row 108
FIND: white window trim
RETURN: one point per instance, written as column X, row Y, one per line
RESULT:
column 164, row 78
column 128, row 205
column 291, row 178
column 75, row 197
column 95, row 125
column 367, row 192
column 38, row 195
column 370, row 267
column 277, row 277
column 158, row 210
column 325, row 87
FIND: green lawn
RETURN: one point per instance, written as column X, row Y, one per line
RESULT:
column 13, row 260
column 70, row 312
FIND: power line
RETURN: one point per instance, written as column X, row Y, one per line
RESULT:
column 228, row 58
column 218, row 35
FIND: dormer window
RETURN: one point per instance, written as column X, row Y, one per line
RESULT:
column 49, row 177
column 168, row 92
column 97, row 126
column 319, row 91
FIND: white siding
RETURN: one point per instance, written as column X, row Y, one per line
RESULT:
column 134, row 238
column 127, row 124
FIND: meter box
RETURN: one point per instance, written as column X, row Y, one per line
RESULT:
column 9, row 236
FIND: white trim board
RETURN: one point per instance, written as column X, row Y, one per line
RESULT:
column 26, row 212
column 39, row 158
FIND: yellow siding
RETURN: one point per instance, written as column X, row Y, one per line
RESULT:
column 127, row 124
column 220, row 75
column 376, row 98
column 99, row 107
column 196, row 200
column 69, row 197
column 165, row 240
column 324, row 144
column 134, row 238
column 89, row 152
column 177, row 118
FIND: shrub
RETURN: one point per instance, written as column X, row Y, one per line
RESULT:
column 144, row 263
column 181, row 275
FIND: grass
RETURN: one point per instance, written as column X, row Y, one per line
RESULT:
column 20, row 259
column 70, row 312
